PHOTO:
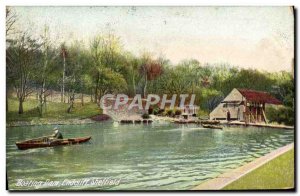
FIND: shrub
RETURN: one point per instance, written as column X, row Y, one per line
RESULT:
column 280, row 115
column 161, row 111
column 145, row 116
column 203, row 114
column 170, row 112
column 178, row 112
column 150, row 110
column 155, row 111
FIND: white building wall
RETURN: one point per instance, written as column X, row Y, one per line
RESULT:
column 218, row 112
column 234, row 95
column 221, row 112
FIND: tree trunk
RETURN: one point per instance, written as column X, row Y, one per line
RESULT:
column 96, row 88
column 21, row 106
column 145, row 87
column 71, row 106
column 82, row 101
column 99, row 98
column 45, row 102
column 40, row 107
column 37, row 95
column 96, row 95
column 6, row 103
column 72, row 99
column 63, row 85
column 134, row 88
column 61, row 95
column 69, row 97
column 6, row 100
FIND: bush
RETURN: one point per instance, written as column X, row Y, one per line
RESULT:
column 161, row 111
column 150, row 110
column 281, row 115
column 145, row 116
column 170, row 113
column 178, row 112
column 155, row 111
column 203, row 114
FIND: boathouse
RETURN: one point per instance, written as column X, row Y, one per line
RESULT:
column 244, row 105
column 189, row 111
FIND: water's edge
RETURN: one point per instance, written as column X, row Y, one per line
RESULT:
column 226, row 178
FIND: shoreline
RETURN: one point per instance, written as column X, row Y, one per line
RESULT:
column 104, row 117
column 229, row 124
column 237, row 123
column 70, row 121
column 224, row 179
column 40, row 123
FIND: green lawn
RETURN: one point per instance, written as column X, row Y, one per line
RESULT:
column 276, row 174
column 54, row 111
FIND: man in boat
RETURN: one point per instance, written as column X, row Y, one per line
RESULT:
column 57, row 134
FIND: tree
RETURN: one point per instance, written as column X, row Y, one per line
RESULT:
column 112, row 82
column 88, row 83
column 11, row 19
column 64, row 56
column 249, row 79
column 210, row 98
column 47, row 61
column 78, row 66
column 149, row 69
column 105, row 52
column 130, row 71
column 96, row 54
column 22, row 61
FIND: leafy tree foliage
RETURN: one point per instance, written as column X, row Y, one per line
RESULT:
column 104, row 66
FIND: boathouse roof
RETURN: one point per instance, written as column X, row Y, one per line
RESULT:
column 259, row 96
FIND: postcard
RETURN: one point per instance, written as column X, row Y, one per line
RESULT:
column 150, row 98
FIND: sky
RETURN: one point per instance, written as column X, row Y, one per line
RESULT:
column 249, row 37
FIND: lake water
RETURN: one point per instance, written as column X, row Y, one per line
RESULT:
column 143, row 157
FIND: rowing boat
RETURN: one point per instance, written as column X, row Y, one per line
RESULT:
column 212, row 126
column 46, row 142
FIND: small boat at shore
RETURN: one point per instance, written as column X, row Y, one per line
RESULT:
column 212, row 126
column 210, row 122
column 45, row 142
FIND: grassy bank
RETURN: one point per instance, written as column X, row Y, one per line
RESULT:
column 54, row 111
column 276, row 174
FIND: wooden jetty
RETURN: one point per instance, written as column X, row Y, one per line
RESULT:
column 238, row 123
column 137, row 121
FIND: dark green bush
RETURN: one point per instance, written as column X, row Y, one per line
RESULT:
column 160, row 111
column 150, row 110
column 145, row 116
column 155, row 111
column 282, row 115
column 170, row 113
column 178, row 112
